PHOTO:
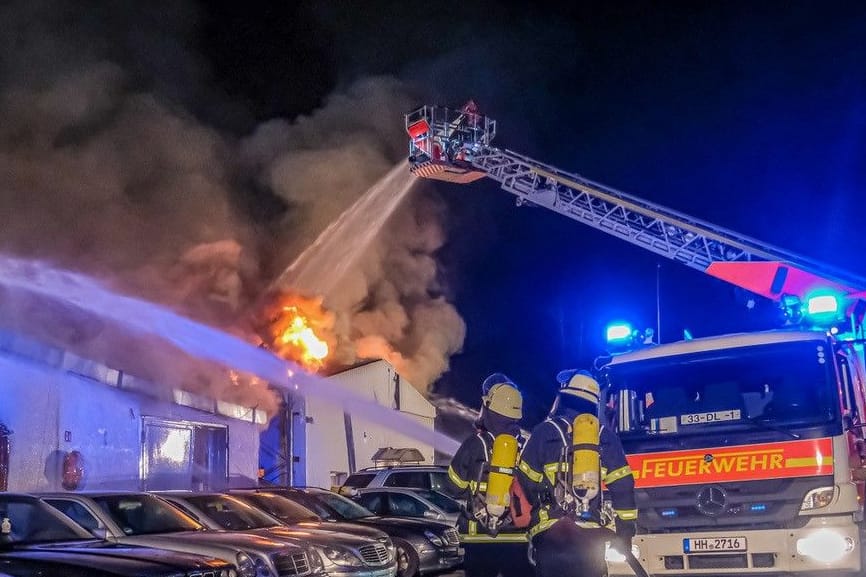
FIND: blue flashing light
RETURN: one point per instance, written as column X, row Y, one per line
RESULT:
column 668, row 513
column 758, row 507
column 618, row 332
column 822, row 305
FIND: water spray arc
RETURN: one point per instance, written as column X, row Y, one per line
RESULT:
column 318, row 269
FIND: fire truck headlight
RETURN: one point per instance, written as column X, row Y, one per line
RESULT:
column 818, row 498
column 612, row 555
column 825, row 546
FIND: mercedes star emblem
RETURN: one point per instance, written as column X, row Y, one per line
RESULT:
column 712, row 501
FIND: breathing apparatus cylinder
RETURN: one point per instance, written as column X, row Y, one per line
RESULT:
column 585, row 465
column 503, row 460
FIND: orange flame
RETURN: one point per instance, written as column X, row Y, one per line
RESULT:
column 301, row 330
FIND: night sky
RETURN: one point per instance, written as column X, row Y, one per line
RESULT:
column 750, row 115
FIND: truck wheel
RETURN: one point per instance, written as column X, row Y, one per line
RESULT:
column 407, row 559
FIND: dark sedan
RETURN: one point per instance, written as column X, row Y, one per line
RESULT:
column 423, row 546
column 343, row 554
column 37, row 541
column 108, row 561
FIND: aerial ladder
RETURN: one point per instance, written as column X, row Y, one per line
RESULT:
column 454, row 145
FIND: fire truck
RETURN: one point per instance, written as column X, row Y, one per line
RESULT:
column 748, row 449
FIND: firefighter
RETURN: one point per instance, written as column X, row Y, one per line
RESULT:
column 481, row 474
column 562, row 468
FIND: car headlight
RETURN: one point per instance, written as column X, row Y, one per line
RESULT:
column 825, row 546
column 246, row 567
column 341, row 557
column 612, row 555
column 818, row 498
column 228, row 573
column 316, row 563
column 434, row 538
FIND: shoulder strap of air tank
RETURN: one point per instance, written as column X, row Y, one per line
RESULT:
column 484, row 444
column 559, row 429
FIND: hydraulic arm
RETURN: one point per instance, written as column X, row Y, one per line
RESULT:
column 454, row 145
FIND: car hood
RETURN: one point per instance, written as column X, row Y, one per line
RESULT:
column 352, row 528
column 111, row 557
column 317, row 536
column 403, row 523
column 215, row 543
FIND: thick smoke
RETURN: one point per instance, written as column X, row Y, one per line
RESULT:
column 107, row 167
column 389, row 304
column 398, row 309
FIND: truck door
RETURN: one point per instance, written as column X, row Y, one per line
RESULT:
column 852, row 380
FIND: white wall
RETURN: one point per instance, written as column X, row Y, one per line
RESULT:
column 326, row 449
column 41, row 404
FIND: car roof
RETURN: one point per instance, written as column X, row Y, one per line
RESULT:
column 92, row 494
column 431, row 468
column 181, row 494
column 413, row 490
column 19, row 496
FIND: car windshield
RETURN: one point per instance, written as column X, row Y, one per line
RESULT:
column 444, row 502
column 765, row 386
column 345, row 508
column 232, row 514
column 310, row 503
column 145, row 515
column 282, row 508
column 359, row 480
column 438, row 480
column 27, row 520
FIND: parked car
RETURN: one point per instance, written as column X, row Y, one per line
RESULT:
column 295, row 515
column 430, row 477
column 343, row 554
column 399, row 502
column 423, row 546
column 36, row 540
column 145, row 519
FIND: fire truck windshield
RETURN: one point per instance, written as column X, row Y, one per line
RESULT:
column 764, row 386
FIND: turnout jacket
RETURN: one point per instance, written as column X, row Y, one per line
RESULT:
column 467, row 481
column 544, row 457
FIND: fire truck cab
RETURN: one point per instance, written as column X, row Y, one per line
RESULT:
column 747, row 451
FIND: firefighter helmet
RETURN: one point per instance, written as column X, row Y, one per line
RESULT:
column 494, row 379
column 504, row 399
column 579, row 384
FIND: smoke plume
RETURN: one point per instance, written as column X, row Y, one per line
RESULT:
column 108, row 166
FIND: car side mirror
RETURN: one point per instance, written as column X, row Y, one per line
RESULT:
column 430, row 514
column 100, row 533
